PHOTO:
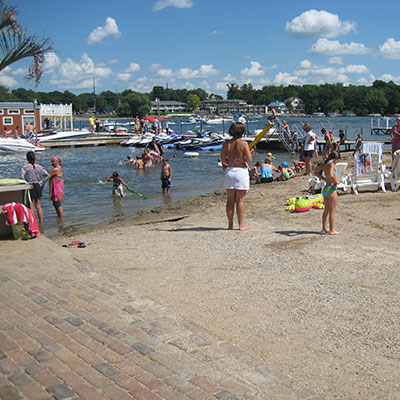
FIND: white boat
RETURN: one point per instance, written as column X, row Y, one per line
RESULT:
column 138, row 140
column 12, row 145
column 64, row 135
column 216, row 121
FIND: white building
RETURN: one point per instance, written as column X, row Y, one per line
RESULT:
column 167, row 106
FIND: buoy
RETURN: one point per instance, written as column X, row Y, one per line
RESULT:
column 190, row 154
column 262, row 194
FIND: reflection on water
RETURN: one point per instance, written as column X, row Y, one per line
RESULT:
column 167, row 198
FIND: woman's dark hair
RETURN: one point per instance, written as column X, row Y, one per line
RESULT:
column 237, row 129
column 334, row 155
column 115, row 174
column 31, row 158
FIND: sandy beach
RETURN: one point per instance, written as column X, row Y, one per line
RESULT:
column 322, row 309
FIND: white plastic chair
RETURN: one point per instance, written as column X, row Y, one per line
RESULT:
column 368, row 172
column 316, row 184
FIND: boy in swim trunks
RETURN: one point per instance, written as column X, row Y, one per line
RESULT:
column 166, row 175
column 118, row 189
column 327, row 172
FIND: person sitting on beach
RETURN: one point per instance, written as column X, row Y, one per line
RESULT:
column 300, row 165
column 118, row 189
column 267, row 170
column 327, row 172
column 342, row 138
column 139, row 164
column 254, row 174
column 358, row 144
column 166, row 175
column 286, row 172
column 236, row 153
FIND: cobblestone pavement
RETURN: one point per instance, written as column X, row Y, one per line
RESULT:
column 71, row 331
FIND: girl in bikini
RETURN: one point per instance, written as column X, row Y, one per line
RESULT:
column 329, row 191
column 57, row 185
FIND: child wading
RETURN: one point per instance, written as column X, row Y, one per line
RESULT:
column 118, row 189
column 329, row 192
column 166, row 175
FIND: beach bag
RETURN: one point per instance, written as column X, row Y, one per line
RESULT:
column 20, row 231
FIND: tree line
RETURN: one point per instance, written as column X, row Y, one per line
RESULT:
column 381, row 98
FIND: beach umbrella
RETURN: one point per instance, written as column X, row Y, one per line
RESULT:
column 153, row 117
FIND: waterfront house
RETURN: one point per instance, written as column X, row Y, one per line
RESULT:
column 279, row 106
column 295, row 105
column 232, row 107
column 167, row 106
column 14, row 116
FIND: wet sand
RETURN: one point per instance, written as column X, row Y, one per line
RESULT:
column 321, row 309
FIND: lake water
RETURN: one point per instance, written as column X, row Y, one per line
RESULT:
column 88, row 199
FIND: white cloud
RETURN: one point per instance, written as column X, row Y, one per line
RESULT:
column 77, row 75
column 51, row 61
column 354, row 69
column 390, row 77
column 390, row 49
column 133, row 67
column 113, row 61
column 204, row 85
column 229, row 78
column 335, row 60
column 220, row 86
column 284, row 78
column 315, row 23
column 205, row 71
column 20, row 71
column 335, row 48
column 165, row 72
column 124, row 76
column 256, row 69
column 6, row 80
column 67, row 84
column 110, row 28
column 155, row 67
column 161, row 4
column 215, row 32
column 305, row 64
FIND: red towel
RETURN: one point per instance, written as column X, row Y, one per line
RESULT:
column 17, row 212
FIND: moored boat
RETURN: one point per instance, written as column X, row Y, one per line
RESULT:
column 13, row 145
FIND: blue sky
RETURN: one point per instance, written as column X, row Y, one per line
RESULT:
column 138, row 44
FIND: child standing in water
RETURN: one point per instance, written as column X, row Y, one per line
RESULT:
column 329, row 192
column 118, row 189
column 57, row 185
column 166, row 175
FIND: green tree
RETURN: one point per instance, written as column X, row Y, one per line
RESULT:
column 16, row 45
column 124, row 110
column 193, row 101
column 140, row 104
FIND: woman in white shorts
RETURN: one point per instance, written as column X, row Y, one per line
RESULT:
column 236, row 154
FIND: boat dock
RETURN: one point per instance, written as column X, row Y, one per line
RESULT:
column 87, row 142
column 382, row 125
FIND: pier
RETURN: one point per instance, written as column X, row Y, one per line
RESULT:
column 382, row 125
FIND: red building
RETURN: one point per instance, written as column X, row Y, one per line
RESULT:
column 17, row 115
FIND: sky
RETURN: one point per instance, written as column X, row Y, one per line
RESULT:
column 138, row 44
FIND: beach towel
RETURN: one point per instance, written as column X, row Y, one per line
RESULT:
column 363, row 163
column 17, row 213
column 373, row 148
